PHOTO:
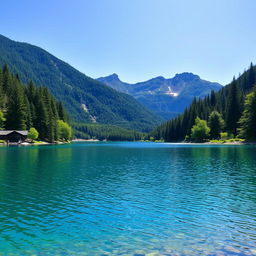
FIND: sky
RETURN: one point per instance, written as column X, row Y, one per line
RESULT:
column 139, row 39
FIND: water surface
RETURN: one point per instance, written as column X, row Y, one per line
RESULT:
column 128, row 198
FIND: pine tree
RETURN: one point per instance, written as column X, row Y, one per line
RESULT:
column 228, row 102
column 216, row 124
column 1, row 90
column 251, row 76
column 41, row 121
column 213, row 98
column 7, row 80
column 234, row 108
column 248, row 119
column 53, row 117
column 62, row 114
column 29, row 119
column 16, row 108
column 23, row 107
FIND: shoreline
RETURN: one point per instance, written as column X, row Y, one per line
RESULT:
column 236, row 143
column 85, row 140
column 41, row 143
column 213, row 143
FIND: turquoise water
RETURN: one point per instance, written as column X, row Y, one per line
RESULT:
column 128, row 199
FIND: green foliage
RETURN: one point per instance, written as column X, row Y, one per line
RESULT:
column 187, row 138
column 105, row 132
column 231, row 136
column 234, row 108
column 2, row 120
column 26, row 106
column 16, row 108
column 228, row 102
column 236, row 140
column 73, row 88
column 248, row 119
column 33, row 133
column 216, row 124
column 64, row 130
column 224, row 135
column 218, row 141
column 39, row 142
column 200, row 131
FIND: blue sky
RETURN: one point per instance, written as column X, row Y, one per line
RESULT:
column 139, row 39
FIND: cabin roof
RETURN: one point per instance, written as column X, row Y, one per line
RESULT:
column 24, row 133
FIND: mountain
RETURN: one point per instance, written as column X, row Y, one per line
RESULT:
column 166, row 97
column 230, row 102
column 85, row 99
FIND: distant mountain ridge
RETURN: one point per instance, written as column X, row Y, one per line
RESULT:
column 87, row 100
column 166, row 97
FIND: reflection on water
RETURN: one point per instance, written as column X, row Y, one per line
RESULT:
column 128, row 199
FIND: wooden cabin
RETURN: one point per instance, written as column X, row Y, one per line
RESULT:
column 13, row 136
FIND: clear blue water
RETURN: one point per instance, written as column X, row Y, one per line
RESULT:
column 128, row 199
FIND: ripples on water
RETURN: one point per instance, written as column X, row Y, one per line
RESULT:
column 128, row 199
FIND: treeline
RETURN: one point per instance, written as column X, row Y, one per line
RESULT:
column 231, row 102
column 105, row 132
column 25, row 106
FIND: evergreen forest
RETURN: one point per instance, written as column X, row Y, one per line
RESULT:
column 105, row 132
column 23, row 107
column 231, row 110
column 74, row 89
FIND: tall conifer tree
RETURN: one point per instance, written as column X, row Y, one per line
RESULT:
column 234, row 108
column 248, row 119
column 16, row 108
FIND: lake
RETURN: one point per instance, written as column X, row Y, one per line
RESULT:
column 128, row 198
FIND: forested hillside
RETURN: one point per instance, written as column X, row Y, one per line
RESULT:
column 230, row 102
column 85, row 99
column 25, row 106
column 106, row 132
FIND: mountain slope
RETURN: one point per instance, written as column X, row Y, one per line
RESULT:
column 229, row 102
column 166, row 97
column 86, row 99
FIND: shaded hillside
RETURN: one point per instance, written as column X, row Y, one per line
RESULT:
column 86, row 99
column 166, row 97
